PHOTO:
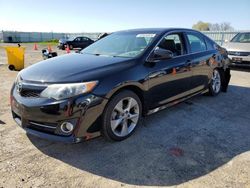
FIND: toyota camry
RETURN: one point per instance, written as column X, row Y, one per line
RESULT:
column 107, row 87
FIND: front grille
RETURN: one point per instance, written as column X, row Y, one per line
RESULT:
column 238, row 53
column 30, row 93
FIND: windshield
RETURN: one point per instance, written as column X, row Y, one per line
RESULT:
column 242, row 37
column 121, row 44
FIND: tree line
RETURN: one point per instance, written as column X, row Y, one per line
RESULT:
column 206, row 26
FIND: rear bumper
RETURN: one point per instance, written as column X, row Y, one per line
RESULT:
column 61, row 46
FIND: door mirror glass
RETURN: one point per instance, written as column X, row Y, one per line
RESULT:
column 161, row 54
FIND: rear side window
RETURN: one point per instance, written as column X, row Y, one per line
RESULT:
column 210, row 45
column 85, row 39
column 197, row 43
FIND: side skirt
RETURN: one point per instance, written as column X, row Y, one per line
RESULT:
column 175, row 102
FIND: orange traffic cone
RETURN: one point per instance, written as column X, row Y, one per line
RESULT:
column 35, row 47
column 174, row 71
column 67, row 49
column 49, row 48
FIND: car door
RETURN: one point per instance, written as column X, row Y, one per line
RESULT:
column 170, row 79
column 76, row 42
column 200, row 60
column 84, row 42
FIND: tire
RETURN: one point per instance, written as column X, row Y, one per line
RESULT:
column 119, row 120
column 11, row 67
column 216, row 82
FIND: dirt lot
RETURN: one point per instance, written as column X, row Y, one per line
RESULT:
column 204, row 142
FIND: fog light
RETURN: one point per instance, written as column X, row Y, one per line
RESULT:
column 67, row 127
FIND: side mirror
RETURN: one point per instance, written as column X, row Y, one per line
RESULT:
column 161, row 54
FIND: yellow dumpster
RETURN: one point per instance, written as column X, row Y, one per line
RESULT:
column 15, row 57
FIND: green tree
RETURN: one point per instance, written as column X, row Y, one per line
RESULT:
column 201, row 26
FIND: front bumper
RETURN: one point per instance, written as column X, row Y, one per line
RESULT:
column 43, row 117
column 61, row 46
column 70, row 139
column 243, row 61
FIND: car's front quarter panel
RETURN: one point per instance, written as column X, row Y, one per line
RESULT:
column 134, row 75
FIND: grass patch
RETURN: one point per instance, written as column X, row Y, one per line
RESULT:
column 50, row 42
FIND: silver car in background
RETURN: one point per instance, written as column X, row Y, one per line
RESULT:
column 239, row 49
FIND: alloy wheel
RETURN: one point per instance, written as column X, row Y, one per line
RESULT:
column 216, row 81
column 125, row 116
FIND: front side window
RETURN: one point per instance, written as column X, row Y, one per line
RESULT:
column 242, row 37
column 173, row 43
column 121, row 44
column 196, row 43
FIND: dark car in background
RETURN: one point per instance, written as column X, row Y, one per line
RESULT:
column 111, row 84
column 77, row 42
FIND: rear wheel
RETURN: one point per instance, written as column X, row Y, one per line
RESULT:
column 121, row 116
column 12, row 67
column 215, row 84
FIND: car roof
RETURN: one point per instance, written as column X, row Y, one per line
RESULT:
column 156, row 30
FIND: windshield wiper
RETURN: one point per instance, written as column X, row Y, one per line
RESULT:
column 90, row 53
column 97, row 54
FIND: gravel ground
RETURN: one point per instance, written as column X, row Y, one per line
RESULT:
column 204, row 142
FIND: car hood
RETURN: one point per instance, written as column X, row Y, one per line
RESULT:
column 63, row 40
column 74, row 68
column 237, row 46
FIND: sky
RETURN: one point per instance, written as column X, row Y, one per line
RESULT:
column 114, row 15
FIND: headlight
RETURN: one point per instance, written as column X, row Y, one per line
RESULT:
column 18, row 78
column 63, row 91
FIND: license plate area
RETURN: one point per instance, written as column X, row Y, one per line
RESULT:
column 237, row 59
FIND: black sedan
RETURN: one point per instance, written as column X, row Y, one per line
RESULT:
column 112, row 83
column 78, row 42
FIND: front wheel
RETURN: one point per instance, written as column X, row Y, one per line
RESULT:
column 121, row 116
column 215, row 84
